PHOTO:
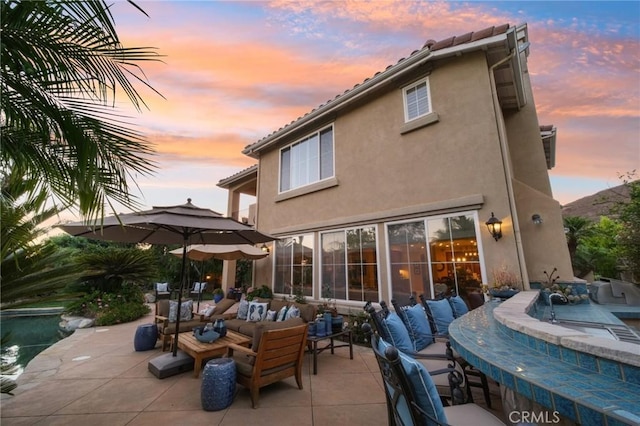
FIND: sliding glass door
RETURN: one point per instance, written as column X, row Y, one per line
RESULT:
column 434, row 256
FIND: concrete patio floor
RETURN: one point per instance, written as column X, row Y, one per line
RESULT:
column 94, row 377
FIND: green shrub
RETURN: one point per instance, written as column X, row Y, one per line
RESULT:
column 355, row 321
column 262, row 292
column 111, row 308
column 122, row 313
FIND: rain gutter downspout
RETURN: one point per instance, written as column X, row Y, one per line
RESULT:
column 506, row 163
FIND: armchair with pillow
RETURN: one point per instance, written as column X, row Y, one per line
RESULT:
column 196, row 290
column 166, row 319
column 277, row 353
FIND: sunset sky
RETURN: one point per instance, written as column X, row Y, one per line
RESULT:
column 234, row 72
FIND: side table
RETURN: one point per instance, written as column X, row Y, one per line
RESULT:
column 315, row 350
column 218, row 384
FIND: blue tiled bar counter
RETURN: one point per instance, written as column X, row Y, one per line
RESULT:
column 586, row 379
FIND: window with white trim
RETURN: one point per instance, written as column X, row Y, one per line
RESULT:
column 435, row 255
column 307, row 161
column 293, row 273
column 417, row 100
column 349, row 264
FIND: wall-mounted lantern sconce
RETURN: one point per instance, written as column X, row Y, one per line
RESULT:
column 495, row 227
column 264, row 248
column 536, row 218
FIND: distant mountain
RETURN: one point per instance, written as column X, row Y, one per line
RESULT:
column 598, row 204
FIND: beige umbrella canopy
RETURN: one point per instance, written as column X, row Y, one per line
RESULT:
column 181, row 224
column 203, row 252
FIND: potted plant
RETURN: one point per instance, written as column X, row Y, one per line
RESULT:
column 218, row 294
column 506, row 283
column 570, row 292
column 262, row 292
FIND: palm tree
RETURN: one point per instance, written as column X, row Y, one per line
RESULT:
column 30, row 269
column 107, row 269
column 62, row 64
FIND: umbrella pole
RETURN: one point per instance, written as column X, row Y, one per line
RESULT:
column 184, row 265
column 200, row 289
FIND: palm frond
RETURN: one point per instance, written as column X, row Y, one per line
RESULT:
column 62, row 65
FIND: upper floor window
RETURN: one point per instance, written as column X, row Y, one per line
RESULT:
column 417, row 100
column 307, row 161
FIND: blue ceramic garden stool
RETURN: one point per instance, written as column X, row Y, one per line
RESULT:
column 218, row 384
column 145, row 338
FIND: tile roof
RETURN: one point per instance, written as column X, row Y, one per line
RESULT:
column 238, row 175
column 431, row 45
column 466, row 38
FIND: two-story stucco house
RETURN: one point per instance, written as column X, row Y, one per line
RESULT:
column 385, row 190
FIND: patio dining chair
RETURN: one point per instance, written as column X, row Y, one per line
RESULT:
column 438, row 358
column 411, row 395
column 440, row 314
column 162, row 291
column 475, row 300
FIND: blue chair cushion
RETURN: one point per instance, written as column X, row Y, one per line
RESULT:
column 418, row 327
column 458, row 306
column 425, row 391
column 397, row 332
column 442, row 314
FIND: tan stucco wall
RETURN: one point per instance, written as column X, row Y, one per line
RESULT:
column 544, row 245
column 378, row 169
column 525, row 145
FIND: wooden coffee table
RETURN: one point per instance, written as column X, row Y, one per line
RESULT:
column 200, row 351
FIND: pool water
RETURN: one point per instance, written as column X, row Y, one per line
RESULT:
column 27, row 337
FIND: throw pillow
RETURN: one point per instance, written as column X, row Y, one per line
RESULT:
column 162, row 286
column 243, row 309
column 458, row 306
column 424, row 389
column 271, row 315
column 417, row 323
column 442, row 315
column 292, row 312
column 282, row 314
column 397, row 332
column 209, row 311
column 186, row 309
column 257, row 311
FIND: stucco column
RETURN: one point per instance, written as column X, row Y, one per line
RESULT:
column 229, row 266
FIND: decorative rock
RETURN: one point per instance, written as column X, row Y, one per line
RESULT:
column 73, row 323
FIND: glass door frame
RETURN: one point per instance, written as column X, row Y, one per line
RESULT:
column 425, row 220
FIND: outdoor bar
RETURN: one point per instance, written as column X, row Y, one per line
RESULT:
column 548, row 369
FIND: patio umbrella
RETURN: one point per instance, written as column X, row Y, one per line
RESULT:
column 221, row 251
column 202, row 252
column 181, row 224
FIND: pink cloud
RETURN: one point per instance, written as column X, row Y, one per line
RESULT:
column 226, row 88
